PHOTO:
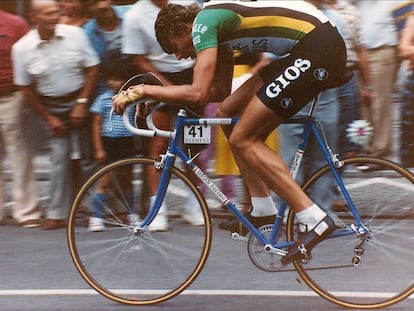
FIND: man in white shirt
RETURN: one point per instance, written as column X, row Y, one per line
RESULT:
column 56, row 67
column 380, row 37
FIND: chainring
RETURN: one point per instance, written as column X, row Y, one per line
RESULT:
column 269, row 262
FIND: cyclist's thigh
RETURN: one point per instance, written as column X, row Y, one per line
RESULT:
column 256, row 123
column 234, row 104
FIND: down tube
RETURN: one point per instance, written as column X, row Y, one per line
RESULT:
column 203, row 177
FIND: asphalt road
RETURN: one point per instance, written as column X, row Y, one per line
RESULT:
column 37, row 274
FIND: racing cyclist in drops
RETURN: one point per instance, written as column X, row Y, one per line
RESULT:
column 312, row 59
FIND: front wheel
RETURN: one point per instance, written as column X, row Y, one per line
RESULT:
column 121, row 259
column 363, row 271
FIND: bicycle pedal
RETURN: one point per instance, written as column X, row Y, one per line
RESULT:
column 306, row 258
column 306, row 255
column 238, row 237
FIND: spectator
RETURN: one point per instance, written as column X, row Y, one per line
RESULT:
column 74, row 12
column 379, row 35
column 112, row 142
column 104, row 30
column 406, row 51
column 12, row 135
column 55, row 66
column 345, row 17
column 139, row 41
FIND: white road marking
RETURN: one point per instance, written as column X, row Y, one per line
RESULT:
column 76, row 292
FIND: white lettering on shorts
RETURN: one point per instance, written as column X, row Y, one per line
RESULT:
column 290, row 74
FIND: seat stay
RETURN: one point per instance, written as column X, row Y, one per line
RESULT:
column 330, row 159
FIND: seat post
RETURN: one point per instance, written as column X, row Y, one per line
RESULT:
column 313, row 105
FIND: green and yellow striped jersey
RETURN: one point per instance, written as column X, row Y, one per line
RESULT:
column 255, row 26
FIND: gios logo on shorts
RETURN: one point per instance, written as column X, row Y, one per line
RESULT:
column 290, row 74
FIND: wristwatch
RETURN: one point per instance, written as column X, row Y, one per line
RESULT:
column 82, row 100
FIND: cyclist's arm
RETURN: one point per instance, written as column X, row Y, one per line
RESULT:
column 195, row 94
column 223, row 76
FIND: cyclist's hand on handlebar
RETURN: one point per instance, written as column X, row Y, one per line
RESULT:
column 123, row 98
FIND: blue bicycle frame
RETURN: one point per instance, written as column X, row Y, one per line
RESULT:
column 311, row 126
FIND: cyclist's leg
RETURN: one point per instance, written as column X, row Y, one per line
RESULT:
column 246, row 141
column 235, row 105
column 263, row 205
column 315, row 64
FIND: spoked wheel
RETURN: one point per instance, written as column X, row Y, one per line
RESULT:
column 125, row 261
column 371, row 270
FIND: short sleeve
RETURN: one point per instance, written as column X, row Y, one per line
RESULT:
column 130, row 33
column 21, row 77
column 91, row 58
column 99, row 103
column 210, row 24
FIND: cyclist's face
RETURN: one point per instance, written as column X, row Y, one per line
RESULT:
column 183, row 46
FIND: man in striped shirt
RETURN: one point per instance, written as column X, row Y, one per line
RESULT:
column 311, row 58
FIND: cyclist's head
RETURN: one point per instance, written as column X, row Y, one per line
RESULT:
column 174, row 21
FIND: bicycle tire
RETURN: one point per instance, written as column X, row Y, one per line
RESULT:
column 380, row 271
column 130, row 264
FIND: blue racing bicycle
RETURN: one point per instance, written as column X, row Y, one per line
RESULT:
column 373, row 207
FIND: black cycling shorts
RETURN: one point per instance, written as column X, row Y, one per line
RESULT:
column 316, row 63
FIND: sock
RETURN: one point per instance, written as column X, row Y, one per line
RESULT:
column 263, row 206
column 311, row 216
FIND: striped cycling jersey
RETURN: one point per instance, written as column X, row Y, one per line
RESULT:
column 255, row 26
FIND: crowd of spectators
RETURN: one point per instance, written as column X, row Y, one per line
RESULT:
column 59, row 68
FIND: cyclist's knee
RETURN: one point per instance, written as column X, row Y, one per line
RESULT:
column 222, row 112
column 237, row 142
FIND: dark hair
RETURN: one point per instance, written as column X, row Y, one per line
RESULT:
column 117, row 71
column 171, row 22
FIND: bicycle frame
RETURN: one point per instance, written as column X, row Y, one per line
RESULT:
column 311, row 127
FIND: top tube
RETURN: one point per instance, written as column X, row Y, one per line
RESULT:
column 154, row 131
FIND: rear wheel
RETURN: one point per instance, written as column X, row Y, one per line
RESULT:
column 126, row 262
column 372, row 271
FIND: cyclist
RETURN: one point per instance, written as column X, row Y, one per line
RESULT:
column 312, row 58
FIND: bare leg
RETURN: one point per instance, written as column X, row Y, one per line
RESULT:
column 255, row 158
column 247, row 143
column 235, row 104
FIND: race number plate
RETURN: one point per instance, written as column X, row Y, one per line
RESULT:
column 197, row 134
